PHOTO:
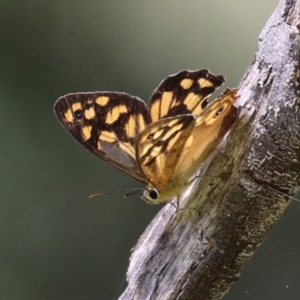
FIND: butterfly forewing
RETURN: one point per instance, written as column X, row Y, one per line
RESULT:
column 183, row 93
column 160, row 145
column 107, row 124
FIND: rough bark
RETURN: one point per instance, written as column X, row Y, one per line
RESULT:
column 187, row 255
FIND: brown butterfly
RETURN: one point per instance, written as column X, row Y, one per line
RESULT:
column 162, row 144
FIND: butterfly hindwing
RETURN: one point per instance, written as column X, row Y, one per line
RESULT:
column 107, row 124
column 211, row 126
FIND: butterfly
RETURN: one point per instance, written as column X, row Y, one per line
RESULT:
column 162, row 144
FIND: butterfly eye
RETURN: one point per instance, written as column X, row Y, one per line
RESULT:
column 150, row 195
column 153, row 194
column 78, row 114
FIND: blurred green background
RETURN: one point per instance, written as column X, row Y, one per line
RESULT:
column 55, row 242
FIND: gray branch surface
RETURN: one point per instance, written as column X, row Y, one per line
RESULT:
column 187, row 255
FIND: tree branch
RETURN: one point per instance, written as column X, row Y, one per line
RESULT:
column 187, row 255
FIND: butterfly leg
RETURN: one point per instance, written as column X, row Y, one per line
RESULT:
column 223, row 176
column 184, row 208
column 175, row 205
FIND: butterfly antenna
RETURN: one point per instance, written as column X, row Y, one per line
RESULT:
column 130, row 192
column 133, row 191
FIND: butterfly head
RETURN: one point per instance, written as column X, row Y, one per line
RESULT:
column 159, row 194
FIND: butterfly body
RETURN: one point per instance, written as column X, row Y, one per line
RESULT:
column 162, row 144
